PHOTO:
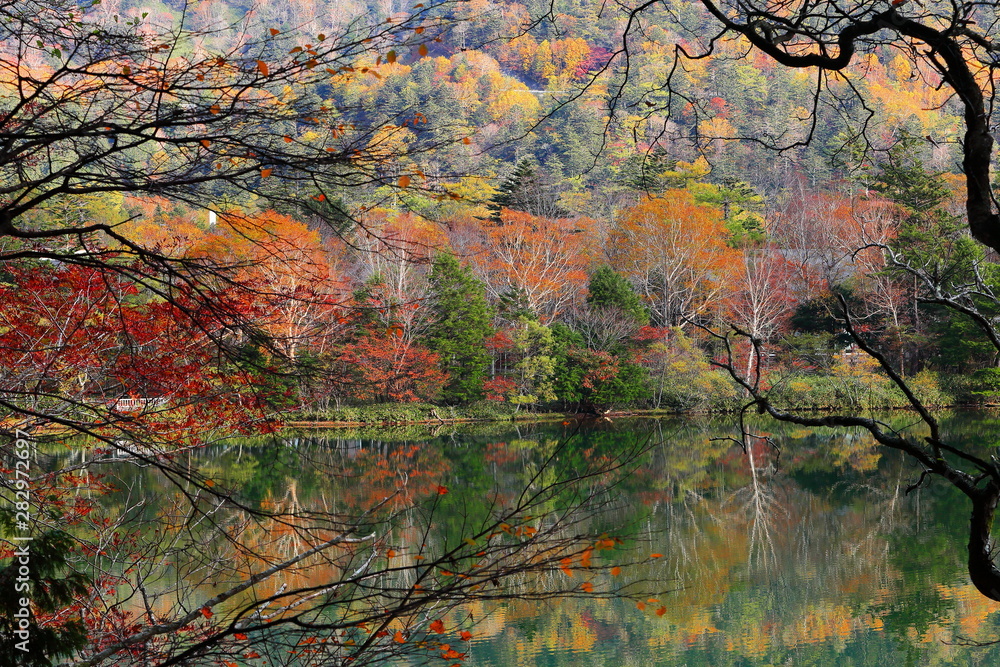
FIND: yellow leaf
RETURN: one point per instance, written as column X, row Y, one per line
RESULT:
column 471, row 542
column 263, row 68
column 404, row 181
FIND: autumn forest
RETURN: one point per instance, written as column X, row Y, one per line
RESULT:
column 220, row 219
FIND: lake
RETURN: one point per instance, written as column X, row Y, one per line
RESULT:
column 805, row 552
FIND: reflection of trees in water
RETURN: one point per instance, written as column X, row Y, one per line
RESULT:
column 816, row 551
column 789, row 526
column 759, row 504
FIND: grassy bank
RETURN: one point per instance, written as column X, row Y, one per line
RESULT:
column 717, row 394
column 415, row 413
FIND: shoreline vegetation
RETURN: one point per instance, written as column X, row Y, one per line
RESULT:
column 861, row 390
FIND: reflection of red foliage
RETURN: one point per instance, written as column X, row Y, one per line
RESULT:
column 738, row 460
column 405, row 474
column 501, row 453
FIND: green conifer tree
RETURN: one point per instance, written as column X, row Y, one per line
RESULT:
column 461, row 323
column 609, row 289
column 44, row 580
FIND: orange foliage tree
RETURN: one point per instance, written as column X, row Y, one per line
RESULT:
column 541, row 261
column 290, row 273
column 674, row 251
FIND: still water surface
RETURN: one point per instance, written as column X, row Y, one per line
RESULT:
column 812, row 556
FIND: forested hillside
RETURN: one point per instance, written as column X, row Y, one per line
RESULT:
column 540, row 228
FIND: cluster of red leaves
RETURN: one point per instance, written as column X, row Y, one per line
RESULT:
column 77, row 340
column 382, row 365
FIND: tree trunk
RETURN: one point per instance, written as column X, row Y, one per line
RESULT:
column 982, row 570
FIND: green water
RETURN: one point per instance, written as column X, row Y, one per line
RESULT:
column 807, row 553
column 816, row 557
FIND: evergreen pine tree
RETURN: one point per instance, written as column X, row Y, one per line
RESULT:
column 460, row 326
column 529, row 190
column 50, row 585
column 609, row 289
